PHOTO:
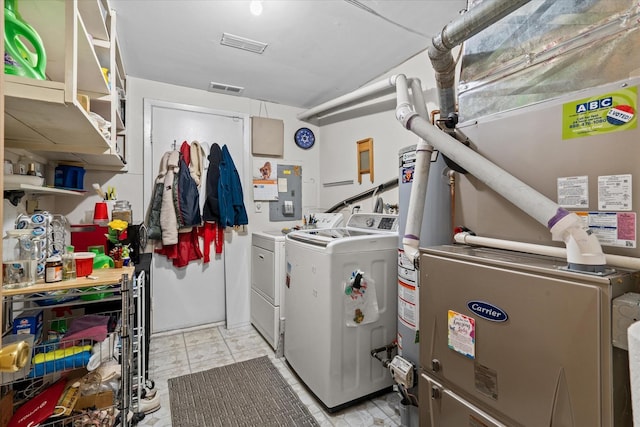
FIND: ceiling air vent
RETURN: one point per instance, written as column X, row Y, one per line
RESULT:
column 223, row 88
column 242, row 43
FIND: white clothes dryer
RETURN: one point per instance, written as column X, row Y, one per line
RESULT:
column 325, row 344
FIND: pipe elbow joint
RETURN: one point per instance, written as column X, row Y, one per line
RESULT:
column 404, row 114
column 583, row 247
column 410, row 246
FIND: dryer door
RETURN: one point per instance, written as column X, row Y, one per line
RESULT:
column 262, row 273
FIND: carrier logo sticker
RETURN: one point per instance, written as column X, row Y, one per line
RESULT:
column 488, row 311
column 620, row 115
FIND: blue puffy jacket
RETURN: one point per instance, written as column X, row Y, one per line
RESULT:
column 187, row 199
column 230, row 197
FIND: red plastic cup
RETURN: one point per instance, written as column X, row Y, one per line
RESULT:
column 101, row 214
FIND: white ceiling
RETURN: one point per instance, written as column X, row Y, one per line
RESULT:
column 317, row 49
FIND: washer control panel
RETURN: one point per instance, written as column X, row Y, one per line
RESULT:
column 373, row 221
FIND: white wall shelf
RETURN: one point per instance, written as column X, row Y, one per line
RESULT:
column 45, row 117
column 42, row 190
column 15, row 192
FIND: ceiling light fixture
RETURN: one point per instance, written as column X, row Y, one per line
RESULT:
column 255, row 7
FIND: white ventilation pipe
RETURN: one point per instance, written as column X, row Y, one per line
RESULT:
column 372, row 90
column 552, row 251
column 583, row 249
column 454, row 33
column 411, row 238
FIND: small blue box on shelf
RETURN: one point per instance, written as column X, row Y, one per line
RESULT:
column 71, row 177
column 28, row 322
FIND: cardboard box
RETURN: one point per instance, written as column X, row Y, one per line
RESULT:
column 28, row 322
column 85, row 102
column 6, row 408
column 100, row 400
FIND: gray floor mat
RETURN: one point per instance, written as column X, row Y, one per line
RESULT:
column 249, row 393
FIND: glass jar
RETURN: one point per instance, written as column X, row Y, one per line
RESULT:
column 53, row 269
column 68, row 264
column 18, row 269
column 122, row 211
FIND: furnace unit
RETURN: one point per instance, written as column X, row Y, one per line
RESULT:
column 510, row 339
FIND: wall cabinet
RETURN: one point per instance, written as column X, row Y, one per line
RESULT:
column 84, row 69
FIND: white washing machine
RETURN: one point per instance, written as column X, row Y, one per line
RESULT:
column 328, row 344
column 268, row 278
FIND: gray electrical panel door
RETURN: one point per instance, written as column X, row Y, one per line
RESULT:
column 288, row 207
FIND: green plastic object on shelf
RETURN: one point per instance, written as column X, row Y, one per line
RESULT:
column 19, row 58
column 101, row 260
column 94, row 296
column 59, row 323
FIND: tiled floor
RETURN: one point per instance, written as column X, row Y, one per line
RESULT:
column 184, row 352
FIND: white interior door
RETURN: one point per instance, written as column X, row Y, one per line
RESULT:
column 193, row 295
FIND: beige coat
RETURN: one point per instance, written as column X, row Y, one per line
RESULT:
column 168, row 219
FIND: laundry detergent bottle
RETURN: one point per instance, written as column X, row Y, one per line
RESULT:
column 24, row 53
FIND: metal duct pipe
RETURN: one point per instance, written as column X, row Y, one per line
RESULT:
column 583, row 249
column 453, row 34
column 456, row 32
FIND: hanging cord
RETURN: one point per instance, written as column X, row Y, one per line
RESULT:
column 374, row 201
column 265, row 109
column 379, row 206
column 452, row 191
column 410, row 399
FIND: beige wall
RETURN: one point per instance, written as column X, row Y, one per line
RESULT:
column 131, row 186
column 338, row 142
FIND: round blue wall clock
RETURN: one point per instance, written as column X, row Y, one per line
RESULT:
column 304, row 138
